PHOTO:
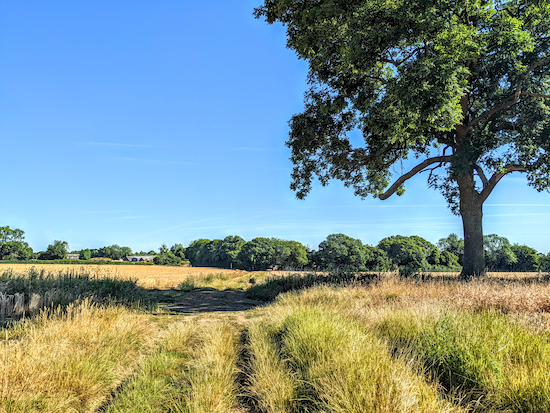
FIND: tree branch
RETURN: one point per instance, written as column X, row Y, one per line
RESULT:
column 481, row 175
column 418, row 168
column 511, row 100
column 508, row 102
column 397, row 63
column 535, row 95
column 497, row 177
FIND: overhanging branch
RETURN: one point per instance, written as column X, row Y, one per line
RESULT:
column 497, row 177
column 418, row 168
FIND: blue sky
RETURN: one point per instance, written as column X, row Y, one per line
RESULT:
column 149, row 122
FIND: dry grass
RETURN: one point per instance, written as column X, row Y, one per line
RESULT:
column 147, row 276
column 70, row 361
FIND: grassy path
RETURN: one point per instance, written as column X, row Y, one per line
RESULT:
column 198, row 364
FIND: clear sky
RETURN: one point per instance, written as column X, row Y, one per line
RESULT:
column 149, row 122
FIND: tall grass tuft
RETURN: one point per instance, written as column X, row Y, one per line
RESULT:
column 317, row 361
column 483, row 358
column 70, row 361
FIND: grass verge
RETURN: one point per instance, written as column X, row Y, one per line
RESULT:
column 271, row 287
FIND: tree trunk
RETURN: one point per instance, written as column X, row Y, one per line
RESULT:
column 471, row 209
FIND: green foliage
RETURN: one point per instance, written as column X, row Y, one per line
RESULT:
column 261, row 254
column 178, row 250
column 166, row 257
column 13, row 246
column 342, row 253
column 527, row 259
column 85, row 254
column 454, row 245
column 56, row 251
column 216, row 253
column 114, row 252
column 411, row 254
column 499, row 255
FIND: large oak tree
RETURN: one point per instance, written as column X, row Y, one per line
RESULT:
column 460, row 86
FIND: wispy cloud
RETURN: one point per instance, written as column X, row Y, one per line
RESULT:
column 518, row 205
column 134, row 217
column 154, row 161
column 251, row 149
column 115, row 144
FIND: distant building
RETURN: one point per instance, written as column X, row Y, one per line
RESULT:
column 140, row 258
column 73, row 256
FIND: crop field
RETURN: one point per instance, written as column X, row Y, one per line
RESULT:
column 146, row 276
column 373, row 344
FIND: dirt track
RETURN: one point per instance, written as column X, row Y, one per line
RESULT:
column 209, row 301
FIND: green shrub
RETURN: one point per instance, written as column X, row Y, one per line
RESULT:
column 271, row 287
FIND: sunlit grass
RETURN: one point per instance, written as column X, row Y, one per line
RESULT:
column 70, row 361
column 317, row 361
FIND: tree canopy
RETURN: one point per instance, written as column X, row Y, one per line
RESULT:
column 12, row 244
column 56, row 251
column 462, row 87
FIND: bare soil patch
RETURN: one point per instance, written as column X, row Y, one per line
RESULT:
column 205, row 301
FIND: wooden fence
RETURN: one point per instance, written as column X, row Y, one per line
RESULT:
column 15, row 306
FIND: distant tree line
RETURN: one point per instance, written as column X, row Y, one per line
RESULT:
column 338, row 252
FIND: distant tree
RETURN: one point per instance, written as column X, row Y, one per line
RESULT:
column 406, row 252
column 85, row 254
column 13, row 246
column 527, row 259
column 454, row 245
column 544, row 260
column 178, row 250
column 448, row 259
column 94, row 252
column 196, row 252
column 291, row 255
column 231, row 247
column 259, row 254
column 166, row 257
column 56, row 251
column 115, row 252
column 376, row 259
column 499, row 255
column 341, row 252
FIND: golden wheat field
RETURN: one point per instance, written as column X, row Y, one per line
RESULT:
column 147, row 276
